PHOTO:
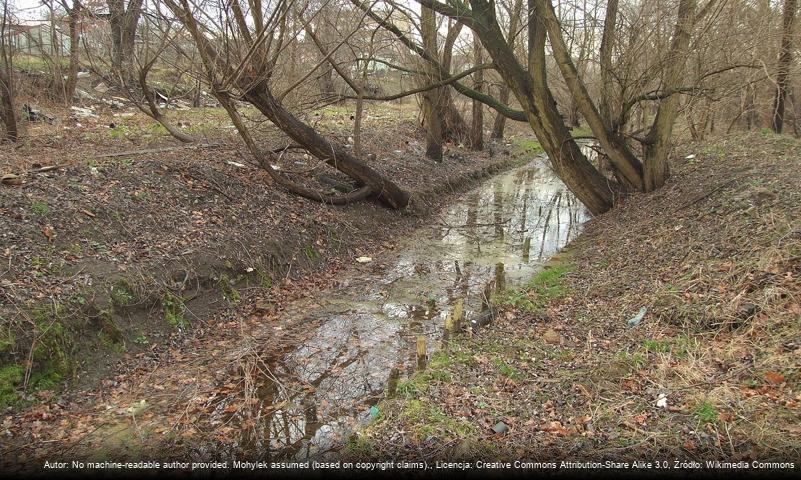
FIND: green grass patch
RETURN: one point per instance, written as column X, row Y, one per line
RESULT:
column 311, row 253
column 436, row 371
column 360, row 446
column 706, row 412
column 634, row 360
column 544, row 287
column 582, row 131
column 505, row 369
column 227, row 290
column 174, row 308
column 527, row 145
column 40, row 208
column 11, row 377
column 656, row 346
column 122, row 293
column 426, row 419
column 30, row 63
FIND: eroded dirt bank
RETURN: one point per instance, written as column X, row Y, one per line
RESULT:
column 127, row 244
column 229, row 284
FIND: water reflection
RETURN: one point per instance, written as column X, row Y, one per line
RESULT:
column 304, row 403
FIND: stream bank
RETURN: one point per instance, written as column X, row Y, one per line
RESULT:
column 294, row 378
column 668, row 330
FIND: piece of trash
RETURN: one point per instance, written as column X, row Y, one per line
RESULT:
column 364, row 259
column 249, row 269
column 137, row 407
column 500, row 428
column 636, row 319
column 661, row 401
column 78, row 112
column 11, row 179
column 101, row 87
column 690, row 157
column 32, row 114
column 374, row 412
column 235, row 164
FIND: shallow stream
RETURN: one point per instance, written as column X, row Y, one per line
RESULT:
column 316, row 394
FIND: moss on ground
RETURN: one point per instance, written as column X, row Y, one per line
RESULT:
column 173, row 308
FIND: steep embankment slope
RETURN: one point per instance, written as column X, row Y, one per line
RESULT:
column 711, row 370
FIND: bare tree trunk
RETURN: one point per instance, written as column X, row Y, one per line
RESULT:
column 622, row 159
column 454, row 127
column 7, row 110
column 335, row 155
column 750, row 116
column 431, row 99
column 123, row 23
column 514, row 22
column 477, row 132
column 605, row 60
column 357, row 125
column 499, row 125
column 657, row 144
column 783, row 68
column 72, row 74
column 8, row 113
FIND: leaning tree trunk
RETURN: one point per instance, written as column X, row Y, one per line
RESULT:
column 530, row 87
column 657, row 146
column 335, row 155
column 620, row 156
column 783, row 70
column 257, row 92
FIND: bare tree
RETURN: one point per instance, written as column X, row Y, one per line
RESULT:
column 123, row 21
column 515, row 12
column 241, row 66
column 8, row 112
column 783, row 67
column 477, row 129
column 431, row 109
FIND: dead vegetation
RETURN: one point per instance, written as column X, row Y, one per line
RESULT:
column 710, row 372
column 130, row 241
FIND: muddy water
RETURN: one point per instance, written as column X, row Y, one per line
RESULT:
column 309, row 401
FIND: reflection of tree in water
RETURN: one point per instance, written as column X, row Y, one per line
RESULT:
column 339, row 367
column 497, row 203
